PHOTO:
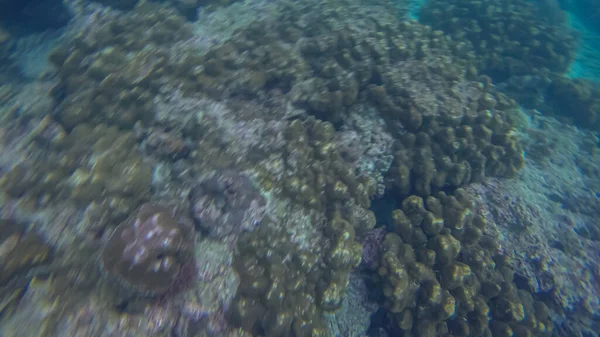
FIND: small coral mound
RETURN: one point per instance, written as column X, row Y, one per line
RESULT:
column 147, row 252
column 226, row 204
column 286, row 288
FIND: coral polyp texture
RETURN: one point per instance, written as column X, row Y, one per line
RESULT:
column 89, row 165
column 329, row 180
column 437, row 157
column 510, row 37
column 147, row 252
column 279, row 140
column 227, row 203
column 441, row 275
column 286, row 289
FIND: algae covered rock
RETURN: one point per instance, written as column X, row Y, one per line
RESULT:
column 147, row 252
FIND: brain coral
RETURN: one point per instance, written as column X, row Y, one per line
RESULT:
column 146, row 252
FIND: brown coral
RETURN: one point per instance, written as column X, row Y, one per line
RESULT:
column 147, row 252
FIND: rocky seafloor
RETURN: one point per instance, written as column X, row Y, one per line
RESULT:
column 301, row 169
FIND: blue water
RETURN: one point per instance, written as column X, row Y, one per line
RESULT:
column 283, row 168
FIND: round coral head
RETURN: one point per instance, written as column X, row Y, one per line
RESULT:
column 146, row 252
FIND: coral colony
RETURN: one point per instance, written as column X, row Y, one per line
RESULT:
column 295, row 169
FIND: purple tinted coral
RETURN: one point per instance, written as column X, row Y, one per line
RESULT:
column 227, row 203
column 372, row 244
column 147, row 252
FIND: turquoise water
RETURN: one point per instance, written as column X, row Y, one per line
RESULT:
column 282, row 168
column 586, row 64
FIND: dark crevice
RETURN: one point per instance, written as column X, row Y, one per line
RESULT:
column 383, row 207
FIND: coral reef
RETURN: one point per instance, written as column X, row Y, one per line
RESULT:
column 100, row 83
column 33, row 309
column 276, row 298
column 510, row 38
column 542, row 220
column 436, row 157
column 258, row 59
column 441, row 275
column 366, row 144
column 88, row 165
column 330, row 180
column 286, row 288
column 353, row 317
column 372, row 247
column 148, row 251
column 274, row 138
